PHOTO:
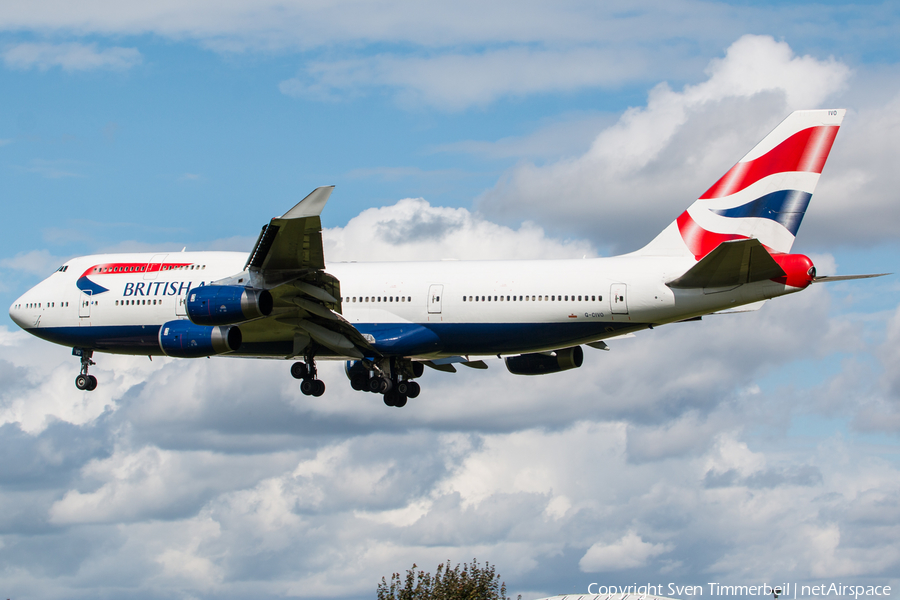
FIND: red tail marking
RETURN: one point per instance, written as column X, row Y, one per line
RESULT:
column 804, row 151
column 700, row 241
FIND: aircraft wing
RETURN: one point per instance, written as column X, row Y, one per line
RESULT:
column 730, row 264
column 288, row 260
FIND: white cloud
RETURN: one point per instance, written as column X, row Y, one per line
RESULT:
column 856, row 198
column 153, row 483
column 69, row 57
column 270, row 24
column 34, row 262
column 214, row 476
column 413, row 229
column 642, row 171
column 627, row 553
column 459, row 81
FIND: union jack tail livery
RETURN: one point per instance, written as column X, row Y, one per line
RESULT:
column 763, row 197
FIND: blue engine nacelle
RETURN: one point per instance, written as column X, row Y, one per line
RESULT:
column 551, row 362
column 227, row 304
column 183, row 339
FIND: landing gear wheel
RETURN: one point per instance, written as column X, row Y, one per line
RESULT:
column 379, row 385
column 359, row 382
column 390, row 398
column 400, row 402
column 82, row 382
column 413, row 389
column 403, row 387
column 308, row 386
column 299, row 370
column 319, row 388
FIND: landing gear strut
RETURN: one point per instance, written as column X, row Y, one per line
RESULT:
column 84, row 381
column 306, row 372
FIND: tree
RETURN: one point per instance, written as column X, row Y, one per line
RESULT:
column 463, row 582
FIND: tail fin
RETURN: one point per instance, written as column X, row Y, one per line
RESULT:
column 764, row 196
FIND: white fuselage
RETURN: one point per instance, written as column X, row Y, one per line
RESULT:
column 118, row 302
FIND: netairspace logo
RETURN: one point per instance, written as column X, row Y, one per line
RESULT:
column 788, row 590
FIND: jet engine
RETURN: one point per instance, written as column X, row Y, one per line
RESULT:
column 541, row 363
column 227, row 304
column 183, row 339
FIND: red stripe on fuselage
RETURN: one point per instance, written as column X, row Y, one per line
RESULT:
column 122, row 268
column 804, row 151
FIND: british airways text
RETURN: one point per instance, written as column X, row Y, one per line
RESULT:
column 157, row 288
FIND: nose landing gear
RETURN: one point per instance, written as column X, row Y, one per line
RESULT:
column 84, row 381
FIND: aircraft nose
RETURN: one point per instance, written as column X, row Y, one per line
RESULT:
column 17, row 313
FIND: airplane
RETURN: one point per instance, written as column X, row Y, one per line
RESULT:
column 728, row 252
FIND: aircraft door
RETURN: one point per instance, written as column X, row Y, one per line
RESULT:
column 434, row 299
column 84, row 306
column 181, row 306
column 154, row 266
column 618, row 299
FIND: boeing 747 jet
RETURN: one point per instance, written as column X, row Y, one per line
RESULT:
column 389, row 320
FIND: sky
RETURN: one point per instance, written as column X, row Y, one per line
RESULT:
column 742, row 449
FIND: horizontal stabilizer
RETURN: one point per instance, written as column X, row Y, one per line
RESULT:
column 732, row 263
column 827, row 278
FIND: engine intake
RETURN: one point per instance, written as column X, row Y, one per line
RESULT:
column 183, row 339
column 542, row 363
column 227, row 304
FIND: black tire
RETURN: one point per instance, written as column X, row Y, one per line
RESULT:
column 413, row 389
column 389, row 398
column 82, row 382
column 299, row 370
column 319, row 389
column 308, row 386
column 359, row 382
column 92, row 383
column 379, row 385
column 403, row 388
column 400, row 402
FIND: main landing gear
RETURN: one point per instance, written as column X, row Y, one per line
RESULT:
column 84, row 381
column 306, row 373
column 387, row 376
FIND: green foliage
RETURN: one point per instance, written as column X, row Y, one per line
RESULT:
column 463, row 582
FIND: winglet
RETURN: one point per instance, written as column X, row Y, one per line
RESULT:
column 312, row 205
